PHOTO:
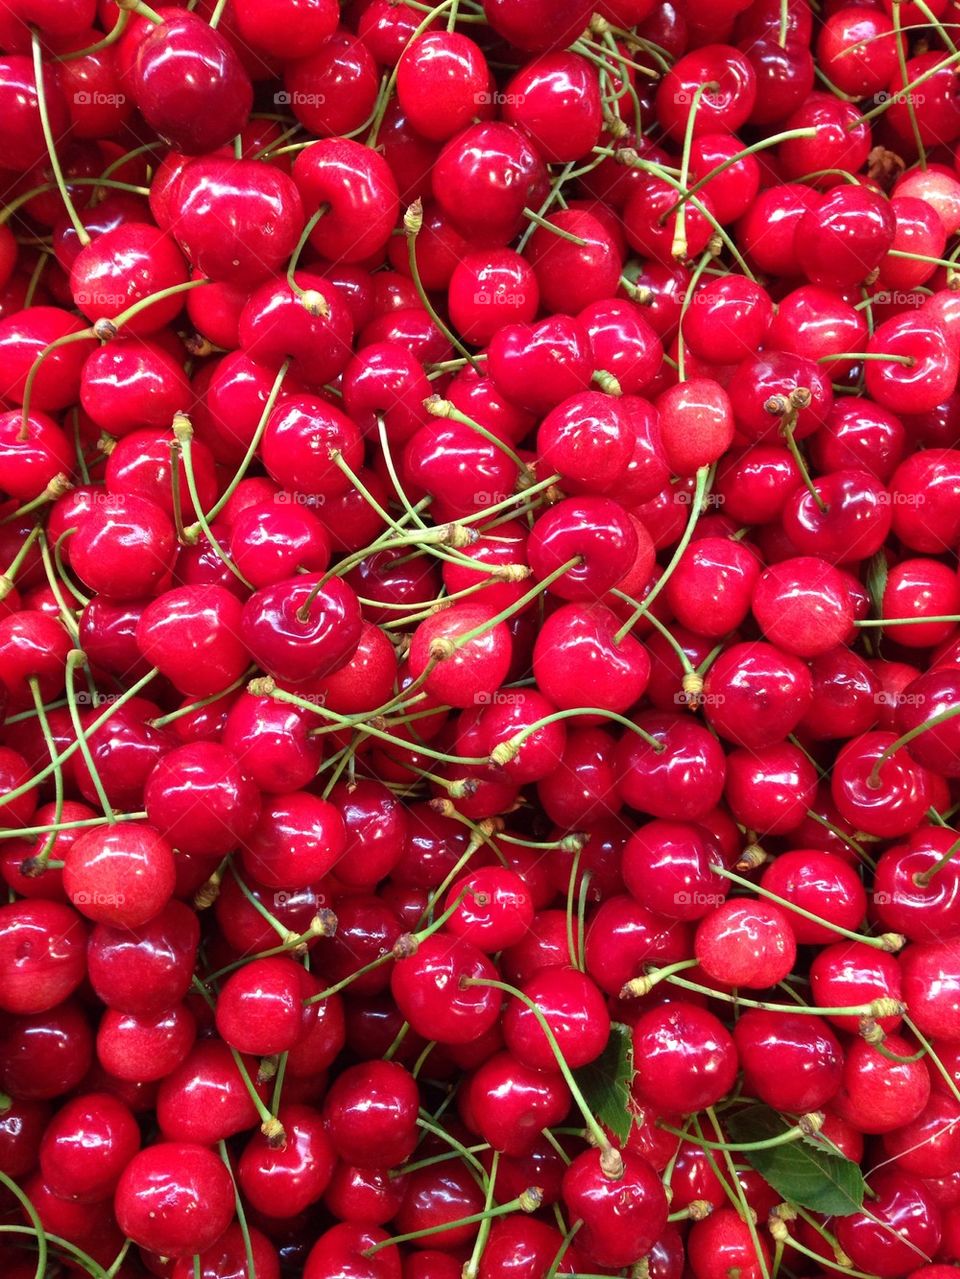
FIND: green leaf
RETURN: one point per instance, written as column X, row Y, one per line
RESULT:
column 808, row 1173
column 605, row 1082
column 877, row 581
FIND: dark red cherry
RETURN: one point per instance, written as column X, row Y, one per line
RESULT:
column 42, row 944
column 295, row 637
column 189, row 84
column 793, row 1062
column 371, row 1114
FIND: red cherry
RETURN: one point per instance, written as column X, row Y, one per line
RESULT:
column 485, row 177
column 556, row 99
column 189, row 84
column 360, row 190
column 793, row 1062
column 146, row 970
column 723, row 107
column 284, row 1182
column 122, row 874
column 429, row 991
column 237, row 221
column 685, row 1058
column 144, row 1048
column 296, row 640
column 621, row 1218
column 850, row 973
column 901, row 1229
column 332, row 91
column 174, row 1198
column 746, row 944
column 474, row 667
column 886, row 799
column 42, row 945
column 191, row 635
column 371, row 1112
column 298, row 839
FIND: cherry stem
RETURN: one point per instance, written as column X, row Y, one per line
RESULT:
column 267, row 688
column 883, row 1007
column 84, row 335
column 214, row 23
column 37, row 51
column 576, row 955
column 412, row 225
column 77, row 658
column 161, row 721
column 905, row 621
column 472, row 1267
column 704, row 475
column 241, row 1214
column 436, row 406
column 457, row 1148
column 908, row 361
column 736, row 1192
column 611, row 1160
column 225, row 496
column 678, row 249
column 508, row 750
column 695, row 275
column 529, row 1201
column 183, row 432
column 35, row 1221
column 387, row 91
column 405, row 946
column 787, row 431
column 286, row 935
column 923, row 879
column 112, row 36
column 133, row 691
column 873, row 780
column 546, row 225
column 141, row 10
column 270, row 1126
column 313, row 300
column 890, row 942
column 441, row 1159
column 806, row 1126
column 924, row 1043
column 8, row 579
column 26, row 196
column 141, row 304
column 908, row 94
column 38, row 863
column 773, row 140
column 517, row 606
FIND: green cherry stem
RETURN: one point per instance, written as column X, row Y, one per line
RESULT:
column 508, row 750
column 704, row 477
column 890, row 942
column 38, row 778
column 36, row 50
column 678, row 249
column 412, row 225
column 873, row 780
column 195, row 529
column 806, row 1126
column 77, row 658
column 611, row 1161
column 529, row 1201
column 183, row 432
column 39, row 863
column 472, row 1267
column 238, row 1202
column 35, row 1222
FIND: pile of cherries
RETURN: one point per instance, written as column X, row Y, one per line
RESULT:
column 479, row 639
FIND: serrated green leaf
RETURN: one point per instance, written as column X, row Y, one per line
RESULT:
column 807, row 1173
column 605, row 1082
